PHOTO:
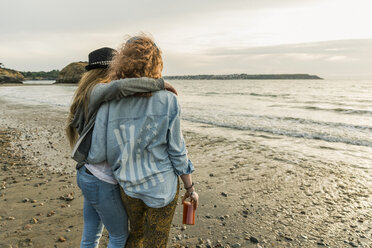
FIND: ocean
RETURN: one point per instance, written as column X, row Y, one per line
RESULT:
column 327, row 119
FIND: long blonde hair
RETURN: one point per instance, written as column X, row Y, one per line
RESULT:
column 86, row 84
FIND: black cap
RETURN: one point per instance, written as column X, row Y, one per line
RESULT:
column 100, row 58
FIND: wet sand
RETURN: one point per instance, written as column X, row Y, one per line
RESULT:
column 250, row 194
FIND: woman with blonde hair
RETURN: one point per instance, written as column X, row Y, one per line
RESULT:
column 102, row 202
column 144, row 146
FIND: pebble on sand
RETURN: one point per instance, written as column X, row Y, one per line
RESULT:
column 68, row 197
column 27, row 227
column 61, row 239
column 34, row 220
column 50, row 213
column 253, row 240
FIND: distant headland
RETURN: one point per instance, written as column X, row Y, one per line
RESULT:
column 244, row 76
column 10, row 76
column 73, row 72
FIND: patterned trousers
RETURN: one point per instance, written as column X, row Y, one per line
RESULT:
column 149, row 227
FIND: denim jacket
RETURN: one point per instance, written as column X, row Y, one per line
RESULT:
column 100, row 94
column 141, row 140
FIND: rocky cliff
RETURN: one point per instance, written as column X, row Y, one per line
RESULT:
column 72, row 73
column 10, row 76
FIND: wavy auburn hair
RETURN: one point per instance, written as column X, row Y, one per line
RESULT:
column 138, row 57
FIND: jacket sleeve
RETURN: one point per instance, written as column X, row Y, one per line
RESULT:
column 97, row 152
column 121, row 88
column 176, row 144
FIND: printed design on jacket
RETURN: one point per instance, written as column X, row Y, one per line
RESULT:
column 138, row 166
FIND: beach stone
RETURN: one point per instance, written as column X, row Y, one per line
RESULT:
column 25, row 200
column 237, row 245
column 61, row 239
column 68, row 197
column 27, row 227
column 253, row 240
column 208, row 242
column 352, row 244
column 288, row 238
column 10, row 218
column 50, row 213
column 6, row 246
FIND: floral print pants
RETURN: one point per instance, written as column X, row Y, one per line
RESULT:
column 149, row 227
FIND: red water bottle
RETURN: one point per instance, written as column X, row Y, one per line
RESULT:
column 188, row 213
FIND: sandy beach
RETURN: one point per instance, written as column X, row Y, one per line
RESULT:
column 250, row 195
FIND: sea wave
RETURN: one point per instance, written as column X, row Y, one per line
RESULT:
column 296, row 120
column 338, row 110
column 290, row 133
column 245, row 93
column 270, row 95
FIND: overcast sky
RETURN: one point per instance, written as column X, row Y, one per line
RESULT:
column 330, row 38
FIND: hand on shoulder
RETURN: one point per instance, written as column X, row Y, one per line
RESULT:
column 169, row 87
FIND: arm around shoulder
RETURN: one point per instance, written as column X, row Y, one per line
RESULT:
column 121, row 88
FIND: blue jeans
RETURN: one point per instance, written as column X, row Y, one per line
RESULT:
column 102, row 206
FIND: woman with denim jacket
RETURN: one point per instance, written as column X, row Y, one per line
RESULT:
column 140, row 138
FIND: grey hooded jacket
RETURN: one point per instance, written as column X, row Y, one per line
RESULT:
column 102, row 93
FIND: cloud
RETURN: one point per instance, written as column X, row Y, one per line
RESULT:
column 209, row 36
column 330, row 59
column 338, row 58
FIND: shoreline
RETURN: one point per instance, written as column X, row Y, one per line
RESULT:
column 247, row 191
